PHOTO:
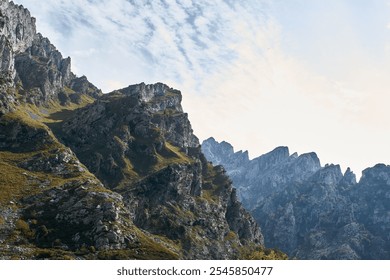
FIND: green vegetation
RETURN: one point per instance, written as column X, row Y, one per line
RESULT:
column 214, row 183
column 12, row 183
column 24, row 228
column 54, row 107
column 170, row 154
column 142, row 253
column 50, row 113
column 68, row 90
column 261, row 253
column 51, row 254
column 17, row 182
column 129, row 173
column 148, row 247
column 23, row 117
column 231, row 236
column 35, row 253
column 177, row 211
column 137, row 166
column 209, row 196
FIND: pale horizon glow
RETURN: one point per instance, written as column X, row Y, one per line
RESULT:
column 308, row 74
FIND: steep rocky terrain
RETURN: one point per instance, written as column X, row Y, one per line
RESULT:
column 310, row 211
column 115, row 176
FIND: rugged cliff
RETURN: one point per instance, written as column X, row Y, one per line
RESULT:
column 32, row 70
column 309, row 211
column 120, row 175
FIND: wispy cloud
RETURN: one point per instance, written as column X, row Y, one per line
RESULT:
column 173, row 37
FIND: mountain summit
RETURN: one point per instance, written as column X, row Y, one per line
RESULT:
column 113, row 176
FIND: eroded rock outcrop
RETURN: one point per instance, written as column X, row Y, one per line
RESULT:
column 153, row 159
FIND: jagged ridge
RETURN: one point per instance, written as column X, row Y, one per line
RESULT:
column 309, row 211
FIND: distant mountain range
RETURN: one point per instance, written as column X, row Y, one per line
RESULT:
column 308, row 210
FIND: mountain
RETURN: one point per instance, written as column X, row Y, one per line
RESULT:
column 308, row 210
column 87, row 175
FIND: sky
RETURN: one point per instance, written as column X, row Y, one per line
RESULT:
column 308, row 74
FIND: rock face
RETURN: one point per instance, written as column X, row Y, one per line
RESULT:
column 17, row 31
column 115, row 176
column 152, row 158
column 309, row 211
column 51, row 72
column 277, row 168
column 17, row 26
column 32, row 70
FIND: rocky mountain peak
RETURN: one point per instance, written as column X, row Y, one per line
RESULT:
column 379, row 174
column 349, row 179
column 32, row 70
column 330, row 175
column 244, row 155
column 275, row 157
column 294, row 155
column 223, row 150
column 17, row 32
column 158, row 96
column 310, row 160
column 42, row 68
column 227, row 146
column 17, row 26
column 146, row 92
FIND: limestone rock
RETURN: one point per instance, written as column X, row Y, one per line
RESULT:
column 42, row 67
column 82, row 85
column 17, row 30
column 7, row 65
column 78, row 214
column 17, row 25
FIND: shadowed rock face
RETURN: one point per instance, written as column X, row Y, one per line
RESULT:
column 115, row 176
column 51, row 73
column 140, row 144
column 309, row 211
